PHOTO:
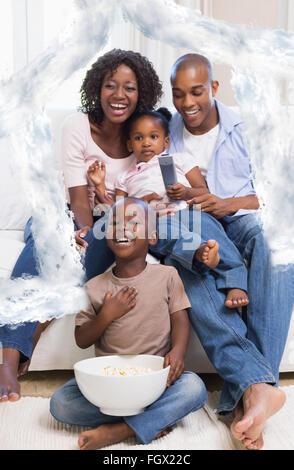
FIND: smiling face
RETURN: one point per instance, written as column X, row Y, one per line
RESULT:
column 131, row 229
column 193, row 97
column 119, row 94
column 147, row 138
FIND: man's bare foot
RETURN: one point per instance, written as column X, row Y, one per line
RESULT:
column 254, row 445
column 260, row 402
column 207, row 253
column 104, row 435
column 9, row 386
column 236, row 298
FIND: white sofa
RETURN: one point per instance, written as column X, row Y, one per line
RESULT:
column 56, row 348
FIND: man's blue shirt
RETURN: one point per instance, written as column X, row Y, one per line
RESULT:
column 229, row 173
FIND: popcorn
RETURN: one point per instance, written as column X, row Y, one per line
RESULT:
column 126, row 371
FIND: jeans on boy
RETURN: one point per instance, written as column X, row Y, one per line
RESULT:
column 186, row 395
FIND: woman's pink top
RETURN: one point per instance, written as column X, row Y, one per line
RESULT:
column 79, row 151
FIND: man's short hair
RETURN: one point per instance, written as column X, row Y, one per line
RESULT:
column 192, row 60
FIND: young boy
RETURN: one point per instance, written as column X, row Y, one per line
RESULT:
column 148, row 139
column 137, row 308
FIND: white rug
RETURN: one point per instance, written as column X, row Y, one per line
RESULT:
column 28, row 425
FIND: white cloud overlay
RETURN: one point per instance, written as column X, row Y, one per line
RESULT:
column 58, row 290
column 260, row 58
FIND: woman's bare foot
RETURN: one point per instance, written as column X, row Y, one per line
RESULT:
column 104, row 435
column 9, row 386
column 23, row 367
column 236, row 298
column 260, row 402
column 207, row 253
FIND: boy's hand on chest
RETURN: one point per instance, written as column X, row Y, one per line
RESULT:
column 117, row 305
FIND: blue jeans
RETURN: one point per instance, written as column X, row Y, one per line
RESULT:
column 242, row 353
column 21, row 337
column 186, row 395
column 182, row 234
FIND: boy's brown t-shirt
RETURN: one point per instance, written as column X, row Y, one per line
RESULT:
column 146, row 328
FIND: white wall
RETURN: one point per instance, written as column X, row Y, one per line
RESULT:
column 258, row 13
column 269, row 14
column 31, row 26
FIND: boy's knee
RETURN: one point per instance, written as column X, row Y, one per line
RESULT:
column 58, row 405
column 55, row 405
column 195, row 390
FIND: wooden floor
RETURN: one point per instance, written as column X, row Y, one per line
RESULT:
column 44, row 384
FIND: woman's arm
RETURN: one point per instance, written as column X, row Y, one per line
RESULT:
column 74, row 148
column 79, row 205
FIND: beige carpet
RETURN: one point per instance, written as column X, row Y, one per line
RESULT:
column 27, row 424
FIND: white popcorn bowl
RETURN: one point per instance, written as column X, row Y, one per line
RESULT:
column 121, row 395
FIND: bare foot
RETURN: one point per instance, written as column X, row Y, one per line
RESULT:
column 9, row 386
column 236, row 298
column 254, row 445
column 207, row 253
column 260, row 402
column 23, row 367
column 104, row 435
column 163, row 433
column 238, row 415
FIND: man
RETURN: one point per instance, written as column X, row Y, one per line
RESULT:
column 247, row 356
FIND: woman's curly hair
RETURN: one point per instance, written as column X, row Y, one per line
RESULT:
column 149, row 86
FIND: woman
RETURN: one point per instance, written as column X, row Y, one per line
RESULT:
column 118, row 83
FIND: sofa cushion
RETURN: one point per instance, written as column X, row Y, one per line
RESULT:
column 10, row 250
column 12, row 235
column 14, row 208
column 57, row 349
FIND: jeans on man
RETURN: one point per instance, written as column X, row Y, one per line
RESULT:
column 242, row 353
